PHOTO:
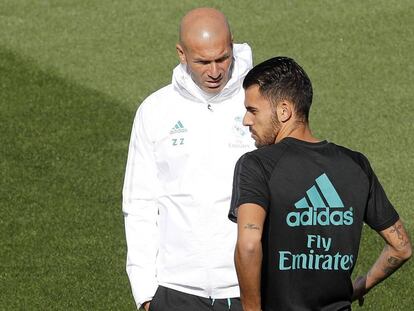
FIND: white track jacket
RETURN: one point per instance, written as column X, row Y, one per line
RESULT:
column 178, row 184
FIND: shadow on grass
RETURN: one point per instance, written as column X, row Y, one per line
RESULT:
column 63, row 154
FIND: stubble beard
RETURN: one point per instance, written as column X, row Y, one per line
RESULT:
column 270, row 133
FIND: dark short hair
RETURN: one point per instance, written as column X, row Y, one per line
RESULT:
column 281, row 78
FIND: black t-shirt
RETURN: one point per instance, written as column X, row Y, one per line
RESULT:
column 317, row 197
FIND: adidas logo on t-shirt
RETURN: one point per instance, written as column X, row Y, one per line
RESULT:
column 320, row 206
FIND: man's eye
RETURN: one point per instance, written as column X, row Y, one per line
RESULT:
column 223, row 59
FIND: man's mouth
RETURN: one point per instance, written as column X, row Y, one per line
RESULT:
column 214, row 83
column 253, row 134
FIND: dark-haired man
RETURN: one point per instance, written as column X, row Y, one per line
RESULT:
column 300, row 204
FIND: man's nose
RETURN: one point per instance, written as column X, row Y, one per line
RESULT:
column 214, row 70
column 247, row 121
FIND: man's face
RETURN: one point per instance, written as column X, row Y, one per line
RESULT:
column 208, row 62
column 260, row 118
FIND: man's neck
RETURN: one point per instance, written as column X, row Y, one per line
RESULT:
column 298, row 130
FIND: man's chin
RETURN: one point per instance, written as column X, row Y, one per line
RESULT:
column 258, row 144
column 212, row 90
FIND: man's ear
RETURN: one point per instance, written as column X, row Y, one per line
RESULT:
column 284, row 111
column 181, row 53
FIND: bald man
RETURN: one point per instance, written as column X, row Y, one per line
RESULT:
column 185, row 141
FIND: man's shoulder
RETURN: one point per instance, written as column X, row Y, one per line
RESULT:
column 266, row 156
column 158, row 100
column 161, row 94
column 357, row 157
column 353, row 154
column 272, row 151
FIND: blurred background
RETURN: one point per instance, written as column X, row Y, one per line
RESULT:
column 72, row 74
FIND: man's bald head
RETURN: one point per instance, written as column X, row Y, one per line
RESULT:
column 203, row 24
column 206, row 47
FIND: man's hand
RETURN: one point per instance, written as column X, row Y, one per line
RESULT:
column 397, row 250
column 146, row 305
column 360, row 290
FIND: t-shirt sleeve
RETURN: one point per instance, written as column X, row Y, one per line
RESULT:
column 249, row 185
column 380, row 214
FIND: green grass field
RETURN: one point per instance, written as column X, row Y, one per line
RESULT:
column 72, row 74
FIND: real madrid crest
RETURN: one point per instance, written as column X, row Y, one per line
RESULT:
column 238, row 128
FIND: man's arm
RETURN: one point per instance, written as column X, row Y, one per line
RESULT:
column 395, row 253
column 248, row 254
column 140, row 209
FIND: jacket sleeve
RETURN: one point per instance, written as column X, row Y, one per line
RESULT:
column 139, row 205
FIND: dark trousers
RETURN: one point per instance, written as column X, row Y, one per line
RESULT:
column 167, row 299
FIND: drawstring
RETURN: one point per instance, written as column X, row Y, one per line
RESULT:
column 228, row 302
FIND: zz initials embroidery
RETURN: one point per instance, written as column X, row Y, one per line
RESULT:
column 177, row 141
